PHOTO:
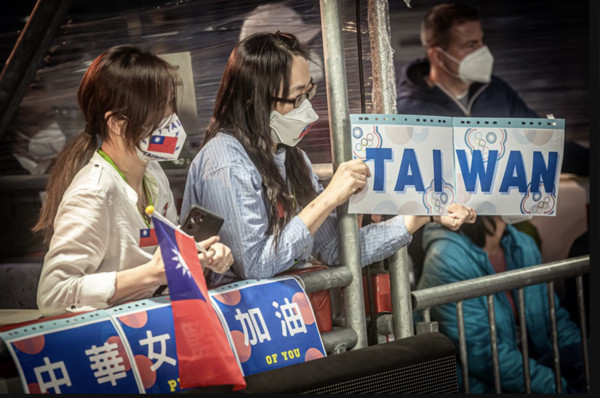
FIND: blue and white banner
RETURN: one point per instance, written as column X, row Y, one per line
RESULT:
column 421, row 164
column 129, row 348
column 270, row 323
column 72, row 355
column 147, row 326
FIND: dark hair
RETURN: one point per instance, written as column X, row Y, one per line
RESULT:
column 479, row 229
column 258, row 66
column 436, row 25
column 131, row 84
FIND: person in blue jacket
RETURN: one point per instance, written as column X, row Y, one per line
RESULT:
column 487, row 247
column 456, row 77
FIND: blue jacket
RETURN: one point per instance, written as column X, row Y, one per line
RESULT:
column 493, row 99
column 452, row 257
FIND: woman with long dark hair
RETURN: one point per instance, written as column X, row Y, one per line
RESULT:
column 250, row 171
column 102, row 250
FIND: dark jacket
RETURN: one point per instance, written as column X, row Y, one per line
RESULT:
column 452, row 257
column 493, row 99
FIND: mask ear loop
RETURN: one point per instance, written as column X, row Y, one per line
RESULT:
column 452, row 59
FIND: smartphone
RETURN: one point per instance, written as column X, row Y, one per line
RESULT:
column 201, row 223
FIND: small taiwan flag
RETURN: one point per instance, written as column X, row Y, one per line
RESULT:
column 148, row 237
column 163, row 144
column 203, row 350
column 305, row 131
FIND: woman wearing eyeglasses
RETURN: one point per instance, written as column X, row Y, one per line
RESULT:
column 250, row 172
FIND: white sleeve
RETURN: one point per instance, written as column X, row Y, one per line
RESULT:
column 69, row 280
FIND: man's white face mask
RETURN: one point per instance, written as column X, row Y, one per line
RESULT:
column 289, row 129
column 475, row 67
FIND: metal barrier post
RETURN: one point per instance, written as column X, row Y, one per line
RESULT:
column 384, row 101
column 583, row 326
column 339, row 120
column 554, row 337
column 494, row 342
column 524, row 344
column 462, row 345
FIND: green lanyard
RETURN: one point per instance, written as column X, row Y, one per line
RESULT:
column 112, row 163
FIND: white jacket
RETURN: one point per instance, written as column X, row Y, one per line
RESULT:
column 97, row 233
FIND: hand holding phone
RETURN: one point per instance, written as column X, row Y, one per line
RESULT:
column 201, row 223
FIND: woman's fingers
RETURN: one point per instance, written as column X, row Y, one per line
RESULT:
column 350, row 178
column 458, row 215
column 220, row 260
column 472, row 215
column 207, row 243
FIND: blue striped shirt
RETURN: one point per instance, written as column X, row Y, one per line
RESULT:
column 223, row 179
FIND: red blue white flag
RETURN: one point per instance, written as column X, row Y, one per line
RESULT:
column 163, row 144
column 148, row 237
column 205, row 355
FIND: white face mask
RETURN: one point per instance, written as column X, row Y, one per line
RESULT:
column 289, row 129
column 44, row 146
column 475, row 67
column 516, row 219
column 164, row 143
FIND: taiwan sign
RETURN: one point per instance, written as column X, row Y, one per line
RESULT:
column 421, row 164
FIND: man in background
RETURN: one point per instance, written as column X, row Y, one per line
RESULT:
column 456, row 77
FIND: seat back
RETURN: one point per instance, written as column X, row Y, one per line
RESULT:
column 18, row 285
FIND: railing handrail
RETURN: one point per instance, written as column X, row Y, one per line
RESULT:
column 508, row 280
column 325, row 279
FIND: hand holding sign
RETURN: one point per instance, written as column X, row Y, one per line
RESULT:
column 350, row 178
column 457, row 216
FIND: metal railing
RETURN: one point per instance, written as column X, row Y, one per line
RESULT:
column 340, row 339
column 425, row 299
column 383, row 102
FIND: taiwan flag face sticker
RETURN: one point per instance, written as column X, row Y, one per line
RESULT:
column 164, row 143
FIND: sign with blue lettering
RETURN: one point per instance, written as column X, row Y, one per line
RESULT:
column 421, row 164
column 73, row 355
column 411, row 163
column 508, row 166
column 269, row 322
column 150, row 338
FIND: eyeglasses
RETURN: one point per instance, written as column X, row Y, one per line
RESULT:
column 299, row 99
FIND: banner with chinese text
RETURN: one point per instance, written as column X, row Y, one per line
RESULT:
column 270, row 323
column 72, row 355
column 125, row 349
column 150, row 338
